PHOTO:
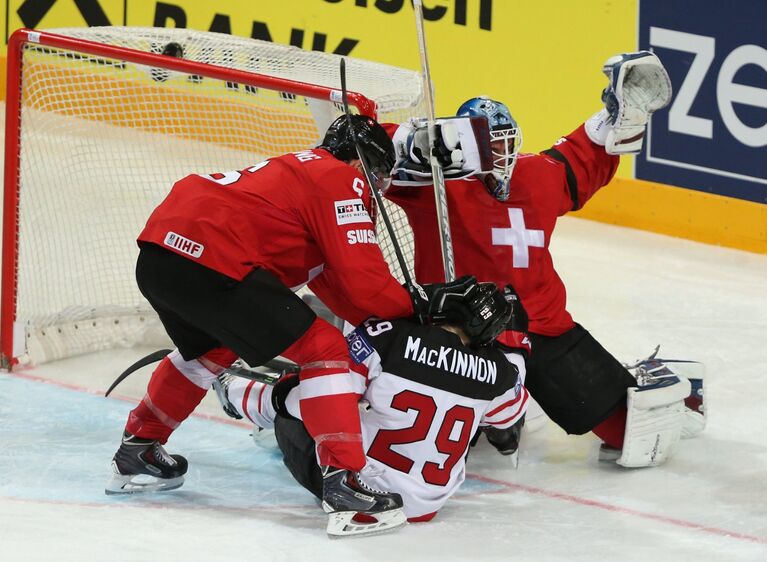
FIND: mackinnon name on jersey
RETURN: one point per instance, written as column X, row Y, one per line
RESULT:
column 452, row 361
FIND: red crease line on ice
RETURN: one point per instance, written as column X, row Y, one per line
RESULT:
column 505, row 486
column 126, row 498
column 511, row 487
column 122, row 397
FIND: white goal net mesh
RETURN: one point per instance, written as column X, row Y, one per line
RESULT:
column 103, row 140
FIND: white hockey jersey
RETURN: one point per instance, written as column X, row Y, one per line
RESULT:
column 425, row 396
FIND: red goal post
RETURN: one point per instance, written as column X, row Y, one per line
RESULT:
column 99, row 124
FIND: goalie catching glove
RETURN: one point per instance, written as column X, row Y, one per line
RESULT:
column 638, row 86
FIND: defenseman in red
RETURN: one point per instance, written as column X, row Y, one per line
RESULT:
column 502, row 223
column 219, row 260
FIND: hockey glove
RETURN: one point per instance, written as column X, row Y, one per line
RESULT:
column 445, row 297
column 433, row 301
column 515, row 336
column 639, row 86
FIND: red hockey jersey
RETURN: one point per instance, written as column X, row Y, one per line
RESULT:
column 508, row 242
column 302, row 216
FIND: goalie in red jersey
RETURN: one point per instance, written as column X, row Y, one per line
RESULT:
column 502, row 216
column 219, row 260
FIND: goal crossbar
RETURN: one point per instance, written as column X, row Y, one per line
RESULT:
column 10, row 332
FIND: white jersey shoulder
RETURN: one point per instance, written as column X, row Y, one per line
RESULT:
column 416, row 431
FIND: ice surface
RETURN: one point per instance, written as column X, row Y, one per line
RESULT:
column 631, row 289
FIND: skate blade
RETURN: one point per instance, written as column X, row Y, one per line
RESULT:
column 514, row 458
column 342, row 523
column 121, row 484
column 264, row 438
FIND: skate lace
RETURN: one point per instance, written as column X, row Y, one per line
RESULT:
column 162, row 455
column 369, row 472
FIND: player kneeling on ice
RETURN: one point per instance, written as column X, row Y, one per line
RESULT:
column 423, row 392
column 219, row 260
column 503, row 207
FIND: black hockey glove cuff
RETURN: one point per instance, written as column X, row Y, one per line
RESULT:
column 433, row 302
column 515, row 337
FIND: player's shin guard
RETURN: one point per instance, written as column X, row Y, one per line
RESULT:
column 328, row 396
column 330, row 412
column 175, row 389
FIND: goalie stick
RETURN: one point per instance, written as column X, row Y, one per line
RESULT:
column 438, row 176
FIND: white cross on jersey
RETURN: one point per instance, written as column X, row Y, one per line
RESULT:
column 519, row 238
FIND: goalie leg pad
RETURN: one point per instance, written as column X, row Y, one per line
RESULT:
column 654, row 422
column 694, row 371
column 696, row 408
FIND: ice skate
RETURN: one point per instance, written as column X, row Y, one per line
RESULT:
column 506, row 441
column 221, row 386
column 143, row 465
column 355, row 508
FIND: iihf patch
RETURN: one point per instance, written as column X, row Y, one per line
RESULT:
column 359, row 348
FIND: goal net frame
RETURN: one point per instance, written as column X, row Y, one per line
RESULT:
column 15, row 330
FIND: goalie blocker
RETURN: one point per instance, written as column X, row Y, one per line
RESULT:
column 462, row 147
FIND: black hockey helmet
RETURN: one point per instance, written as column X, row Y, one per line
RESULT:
column 483, row 315
column 374, row 142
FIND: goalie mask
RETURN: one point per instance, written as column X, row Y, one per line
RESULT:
column 505, row 139
column 373, row 141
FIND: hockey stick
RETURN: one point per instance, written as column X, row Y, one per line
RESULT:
column 411, row 287
column 143, row 362
column 438, row 176
column 270, row 371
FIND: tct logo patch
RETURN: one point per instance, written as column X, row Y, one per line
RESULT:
column 350, row 211
column 359, row 348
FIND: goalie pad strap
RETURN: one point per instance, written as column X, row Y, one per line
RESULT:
column 572, row 181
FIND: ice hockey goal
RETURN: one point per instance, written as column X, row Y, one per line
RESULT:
column 99, row 124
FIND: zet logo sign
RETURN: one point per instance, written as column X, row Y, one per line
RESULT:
column 713, row 136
